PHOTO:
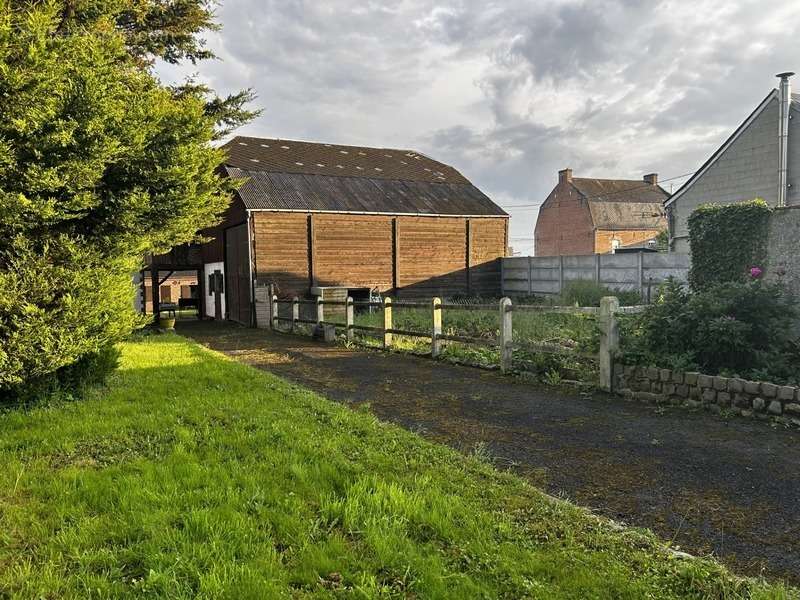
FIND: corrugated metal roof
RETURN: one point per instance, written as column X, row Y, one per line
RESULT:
column 301, row 191
column 628, row 215
column 335, row 160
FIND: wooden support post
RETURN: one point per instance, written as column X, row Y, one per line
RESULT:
column 387, row 322
column 609, row 341
column 436, row 331
column 468, row 254
column 560, row 274
column 273, row 313
column 295, row 312
column 155, row 293
column 506, row 335
column 320, row 311
column 349, row 319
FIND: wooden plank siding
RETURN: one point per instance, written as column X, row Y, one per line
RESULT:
column 281, row 251
column 487, row 238
column 352, row 249
column 405, row 255
column 432, row 258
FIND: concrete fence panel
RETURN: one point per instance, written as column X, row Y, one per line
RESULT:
column 547, row 275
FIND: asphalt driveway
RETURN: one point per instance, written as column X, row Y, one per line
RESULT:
column 709, row 485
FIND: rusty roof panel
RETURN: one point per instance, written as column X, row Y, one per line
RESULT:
column 301, row 191
column 336, row 160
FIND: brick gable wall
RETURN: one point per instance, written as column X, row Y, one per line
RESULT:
column 564, row 226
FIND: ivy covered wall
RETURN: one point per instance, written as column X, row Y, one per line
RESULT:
column 727, row 241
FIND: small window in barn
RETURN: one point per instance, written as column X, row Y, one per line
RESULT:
column 343, row 152
column 360, row 168
column 402, row 162
column 362, row 153
column 242, row 143
column 299, row 164
column 340, row 166
column 378, row 169
column 320, row 165
column 388, row 155
column 285, row 147
column 265, row 145
column 254, row 160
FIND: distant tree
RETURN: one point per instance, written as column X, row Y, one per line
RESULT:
column 99, row 164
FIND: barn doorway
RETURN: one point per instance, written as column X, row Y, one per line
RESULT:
column 237, row 274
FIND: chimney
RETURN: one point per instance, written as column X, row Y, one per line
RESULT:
column 651, row 178
column 784, row 105
column 565, row 175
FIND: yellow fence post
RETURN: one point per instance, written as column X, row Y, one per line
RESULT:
column 387, row 322
column 436, row 342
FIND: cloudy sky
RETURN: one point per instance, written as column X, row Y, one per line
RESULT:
column 508, row 92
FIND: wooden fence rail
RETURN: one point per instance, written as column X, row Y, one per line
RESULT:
column 606, row 313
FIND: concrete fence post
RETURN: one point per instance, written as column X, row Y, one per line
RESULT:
column 640, row 273
column 609, row 341
column 320, row 311
column 506, row 335
column 349, row 319
column 597, row 268
column 387, row 322
column 273, row 314
column 436, row 330
column 530, row 276
column 295, row 313
column 560, row 274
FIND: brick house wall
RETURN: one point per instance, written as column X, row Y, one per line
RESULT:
column 564, row 225
column 583, row 216
column 602, row 238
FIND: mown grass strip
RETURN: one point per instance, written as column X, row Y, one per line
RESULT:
column 191, row 475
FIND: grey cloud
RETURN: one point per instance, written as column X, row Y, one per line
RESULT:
column 510, row 91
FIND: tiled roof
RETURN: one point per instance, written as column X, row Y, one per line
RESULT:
column 628, row 215
column 312, row 158
column 307, row 176
column 304, row 192
column 619, row 190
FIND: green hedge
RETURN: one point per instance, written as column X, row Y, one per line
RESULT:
column 727, row 241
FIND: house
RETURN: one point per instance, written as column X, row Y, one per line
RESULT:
column 174, row 288
column 761, row 159
column 596, row 216
column 315, row 219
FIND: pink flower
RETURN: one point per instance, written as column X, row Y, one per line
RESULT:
column 756, row 272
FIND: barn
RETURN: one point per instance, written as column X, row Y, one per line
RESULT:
column 315, row 219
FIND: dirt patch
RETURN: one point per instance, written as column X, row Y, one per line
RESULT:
column 709, row 485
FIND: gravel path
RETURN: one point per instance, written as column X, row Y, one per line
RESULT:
column 727, row 487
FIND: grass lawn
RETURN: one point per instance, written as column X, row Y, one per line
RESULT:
column 191, row 475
